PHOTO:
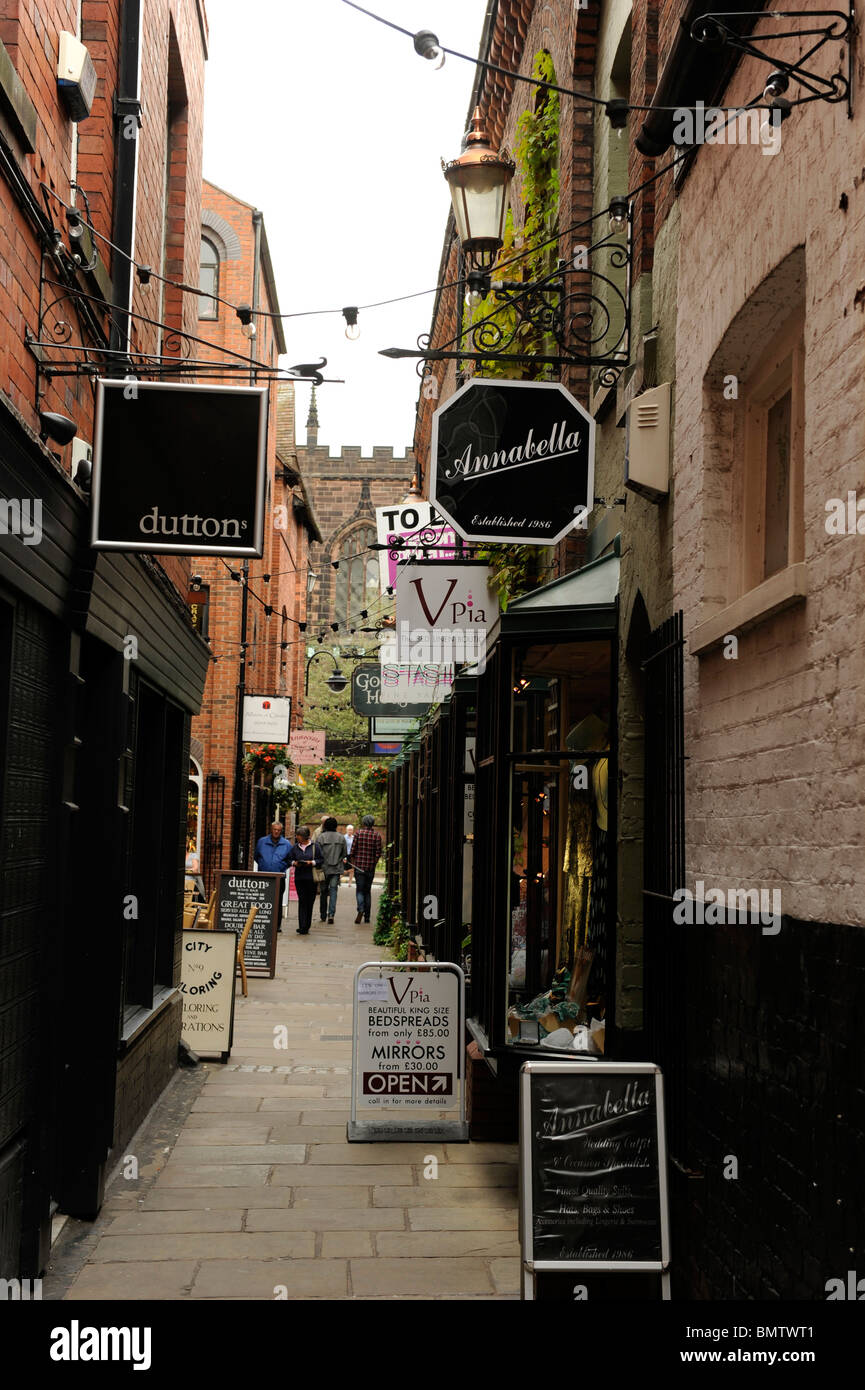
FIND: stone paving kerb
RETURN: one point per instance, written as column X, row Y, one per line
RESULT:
column 248, row 1189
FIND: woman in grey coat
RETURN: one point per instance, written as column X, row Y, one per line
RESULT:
column 333, row 852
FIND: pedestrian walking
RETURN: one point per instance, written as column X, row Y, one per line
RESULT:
column 305, row 856
column 349, row 841
column 365, row 854
column 273, row 856
column 319, row 876
column 333, row 851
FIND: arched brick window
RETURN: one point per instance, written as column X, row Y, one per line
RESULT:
column 208, row 279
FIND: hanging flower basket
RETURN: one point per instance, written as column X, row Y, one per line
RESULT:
column 374, row 779
column 329, row 780
column 290, row 798
column 264, row 757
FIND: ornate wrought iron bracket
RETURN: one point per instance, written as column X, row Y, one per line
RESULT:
column 62, row 307
column 577, row 316
column 715, row 31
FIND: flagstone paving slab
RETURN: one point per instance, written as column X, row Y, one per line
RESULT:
column 434, row 1278
column 344, row 1175
column 302, row 1217
column 262, row 1279
column 459, row 1218
column 237, row 1153
column 152, row 1223
column 157, row 1279
column 242, row 1245
column 432, row 1194
column 214, row 1174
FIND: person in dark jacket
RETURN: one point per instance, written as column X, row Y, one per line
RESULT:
column 305, row 856
column 333, row 852
column 365, row 854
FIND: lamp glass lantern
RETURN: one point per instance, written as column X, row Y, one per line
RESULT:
column 479, row 182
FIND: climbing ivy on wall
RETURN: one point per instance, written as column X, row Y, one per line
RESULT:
column 516, row 568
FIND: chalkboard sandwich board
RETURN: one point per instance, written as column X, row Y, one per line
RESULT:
column 238, row 892
column 593, row 1186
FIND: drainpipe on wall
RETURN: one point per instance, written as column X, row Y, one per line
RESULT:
column 239, row 850
column 127, row 122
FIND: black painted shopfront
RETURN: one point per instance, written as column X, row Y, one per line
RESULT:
column 502, row 823
column 94, row 738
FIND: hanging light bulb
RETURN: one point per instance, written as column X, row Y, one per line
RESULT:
column 427, row 45
column 352, row 331
column 478, row 289
column 247, row 327
column 618, row 215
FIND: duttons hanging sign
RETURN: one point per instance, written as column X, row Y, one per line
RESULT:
column 178, row 469
column 513, row 462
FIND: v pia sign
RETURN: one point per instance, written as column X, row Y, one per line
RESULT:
column 513, row 462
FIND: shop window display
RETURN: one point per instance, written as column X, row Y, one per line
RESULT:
column 559, row 880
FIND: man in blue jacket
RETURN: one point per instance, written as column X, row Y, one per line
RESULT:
column 272, row 856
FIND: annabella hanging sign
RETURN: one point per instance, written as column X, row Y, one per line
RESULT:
column 179, row 469
column 513, row 461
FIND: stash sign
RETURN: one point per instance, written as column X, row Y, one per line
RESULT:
column 513, row 462
column 407, row 1052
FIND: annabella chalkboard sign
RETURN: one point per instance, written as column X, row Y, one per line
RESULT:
column 238, row 892
column 593, row 1166
column 513, row 461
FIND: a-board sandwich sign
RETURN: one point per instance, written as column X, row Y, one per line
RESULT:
column 179, row 469
column 238, row 891
column 207, row 985
column 407, row 1075
column 593, row 1185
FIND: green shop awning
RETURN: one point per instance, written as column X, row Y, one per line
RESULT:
column 582, row 603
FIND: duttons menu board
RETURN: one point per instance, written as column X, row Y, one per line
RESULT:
column 238, row 892
column 593, row 1168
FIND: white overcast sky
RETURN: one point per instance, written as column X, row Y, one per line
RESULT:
column 333, row 126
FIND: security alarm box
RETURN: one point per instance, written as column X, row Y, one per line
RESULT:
column 647, row 447
column 76, row 76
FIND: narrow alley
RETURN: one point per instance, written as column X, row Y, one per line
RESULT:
column 248, row 1189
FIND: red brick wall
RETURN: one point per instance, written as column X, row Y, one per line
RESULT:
column 270, row 670
column 31, row 36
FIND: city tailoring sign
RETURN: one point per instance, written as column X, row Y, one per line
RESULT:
column 307, row 746
column 266, row 718
column 407, row 1052
column 207, row 985
column 513, row 461
column 409, row 530
column 179, row 469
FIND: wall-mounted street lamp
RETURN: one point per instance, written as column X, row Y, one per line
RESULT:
column 479, row 182
column 336, row 681
column 577, row 314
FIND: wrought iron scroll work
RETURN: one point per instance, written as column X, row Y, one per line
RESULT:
column 60, row 304
column 581, row 311
column 715, row 31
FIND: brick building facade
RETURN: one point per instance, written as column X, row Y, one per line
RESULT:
column 93, row 746
column 739, row 669
column 232, row 236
